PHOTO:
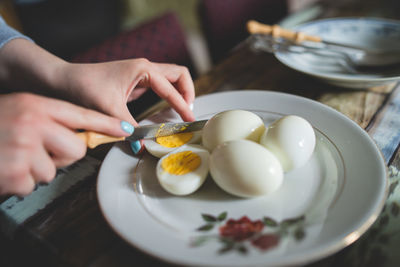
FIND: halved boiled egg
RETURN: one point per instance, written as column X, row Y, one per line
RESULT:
column 162, row 145
column 232, row 125
column 245, row 168
column 184, row 170
column 291, row 139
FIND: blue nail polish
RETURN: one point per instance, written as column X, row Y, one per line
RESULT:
column 135, row 146
column 127, row 127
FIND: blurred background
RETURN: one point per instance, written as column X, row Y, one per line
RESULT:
column 193, row 33
column 208, row 29
column 70, row 27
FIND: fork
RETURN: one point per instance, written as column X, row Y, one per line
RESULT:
column 357, row 57
column 346, row 58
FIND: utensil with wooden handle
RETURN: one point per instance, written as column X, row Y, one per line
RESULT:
column 356, row 56
column 276, row 31
column 93, row 139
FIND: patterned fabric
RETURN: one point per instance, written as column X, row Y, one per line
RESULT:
column 224, row 20
column 160, row 40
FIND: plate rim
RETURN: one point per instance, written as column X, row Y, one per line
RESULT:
column 340, row 77
column 317, row 254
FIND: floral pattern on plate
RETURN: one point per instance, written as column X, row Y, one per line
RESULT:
column 243, row 234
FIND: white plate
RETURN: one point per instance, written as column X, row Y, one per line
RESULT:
column 340, row 191
column 364, row 32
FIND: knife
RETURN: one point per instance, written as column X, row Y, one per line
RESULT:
column 93, row 139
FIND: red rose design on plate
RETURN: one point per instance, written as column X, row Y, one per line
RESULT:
column 241, row 234
column 266, row 241
column 241, row 229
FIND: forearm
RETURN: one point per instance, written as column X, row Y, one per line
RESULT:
column 107, row 87
column 24, row 66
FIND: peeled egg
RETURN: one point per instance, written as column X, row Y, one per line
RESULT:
column 245, row 168
column 162, row 145
column 184, row 170
column 291, row 139
column 232, row 125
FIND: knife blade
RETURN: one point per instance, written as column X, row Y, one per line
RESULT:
column 165, row 129
column 93, row 139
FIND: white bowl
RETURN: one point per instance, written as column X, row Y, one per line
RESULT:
column 370, row 33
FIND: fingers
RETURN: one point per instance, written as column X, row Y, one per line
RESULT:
column 137, row 146
column 24, row 175
column 135, row 94
column 37, row 134
column 75, row 117
column 21, row 186
column 63, row 145
column 124, row 114
column 181, row 78
column 66, row 148
column 22, row 180
column 15, row 173
column 52, row 146
column 164, row 89
column 43, row 169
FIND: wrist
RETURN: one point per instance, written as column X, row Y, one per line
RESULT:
column 24, row 66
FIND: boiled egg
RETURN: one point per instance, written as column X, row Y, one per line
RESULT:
column 232, row 125
column 291, row 139
column 184, row 170
column 245, row 168
column 162, row 145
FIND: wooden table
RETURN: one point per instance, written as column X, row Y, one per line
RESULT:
column 68, row 229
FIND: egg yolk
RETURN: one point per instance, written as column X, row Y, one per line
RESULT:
column 174, row 140
column 181, row 163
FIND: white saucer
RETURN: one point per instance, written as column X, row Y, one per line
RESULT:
column 365, row 32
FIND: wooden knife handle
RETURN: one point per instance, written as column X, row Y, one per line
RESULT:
column 254, row 27
column 93, row 139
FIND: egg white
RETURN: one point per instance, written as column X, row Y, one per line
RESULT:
column 187, row 183
column 158, row 150
column 246, row 169
column 232, row 125
column 291, row 139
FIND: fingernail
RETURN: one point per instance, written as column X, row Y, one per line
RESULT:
column 127, row 127
column 191, row 107
column 135, row 146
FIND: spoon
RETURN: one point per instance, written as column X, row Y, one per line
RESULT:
column 355, row 55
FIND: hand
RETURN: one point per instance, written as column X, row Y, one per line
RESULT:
column 37, row 135
column 109, row 86
column 104, row 86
